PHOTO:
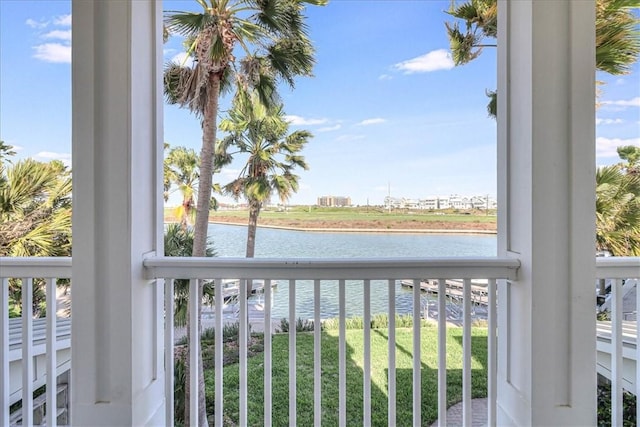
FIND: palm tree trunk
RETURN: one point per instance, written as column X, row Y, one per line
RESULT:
column 209, row 128
column 254, row 212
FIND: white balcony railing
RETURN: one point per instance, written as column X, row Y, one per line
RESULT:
column 617, row 338
column 364, row 273
column 28, row 353
column 29, row 344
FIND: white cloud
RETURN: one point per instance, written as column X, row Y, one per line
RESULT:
column 600, row 121
column 53, row 52
column 36, row 24
column 183, row 59
column 329, row 128
column 385, row 77
column 435, row 60
column 606, row 147
column 634, row 102
column 58, row 34
column 374, row 121
column 63, row 20
column 301, row 121
column 620, row 81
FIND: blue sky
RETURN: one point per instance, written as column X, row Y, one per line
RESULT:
column 386, row 106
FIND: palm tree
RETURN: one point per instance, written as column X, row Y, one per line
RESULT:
column 35, row 218
column 273, row 153
column 181, row 170
column 273, row 36
column 6, row 151
column 617, row 211
column 35, row 209
column 617, row 38
column 178, row 241
column 631, row 154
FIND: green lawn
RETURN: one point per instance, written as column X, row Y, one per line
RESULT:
column 374, row 215
column 355, row 347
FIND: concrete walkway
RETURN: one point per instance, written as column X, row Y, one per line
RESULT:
column 478, row 414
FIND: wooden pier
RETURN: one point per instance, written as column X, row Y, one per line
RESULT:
column 454, row 289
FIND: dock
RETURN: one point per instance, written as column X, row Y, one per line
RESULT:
column 454, row 289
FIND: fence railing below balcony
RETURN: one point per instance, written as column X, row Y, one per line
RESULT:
column 616, row 344
column 28, row 353
column 320, row 364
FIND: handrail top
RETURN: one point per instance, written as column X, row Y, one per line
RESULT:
column 45, row 267
column 617, row 267
column 160, row 261
column 331, row 268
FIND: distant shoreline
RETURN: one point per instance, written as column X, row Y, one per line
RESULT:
column 361, row 230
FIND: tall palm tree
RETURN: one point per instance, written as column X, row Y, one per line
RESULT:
column 617, row 211
column 617, row 38
column 181, row 171
column 273, row 36
column 262, row 133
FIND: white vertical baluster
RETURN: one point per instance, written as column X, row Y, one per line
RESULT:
column 267, row 355
column 27, row 351
column 168, row 349
column 219, row 298
column 194, row 350
column 52, row 341
column 442, row 352
column 366, row 380
column 292, row 354
column 616, row 353
column 342, row 353
column 417, row 365
column 317, row 356
column 391, row 374
column 243, row 337
column 4, row 352
column 466, row 353
column 492, row 354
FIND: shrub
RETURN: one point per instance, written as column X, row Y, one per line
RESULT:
column 604, row 407
column 302, row 325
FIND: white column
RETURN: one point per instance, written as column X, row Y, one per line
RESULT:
column 546, row 158
column 117, row 371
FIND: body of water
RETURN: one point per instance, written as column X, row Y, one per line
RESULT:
column 230, row 241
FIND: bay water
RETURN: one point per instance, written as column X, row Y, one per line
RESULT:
column 230, row 241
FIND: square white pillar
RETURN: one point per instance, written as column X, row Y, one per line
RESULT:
column 117, row 347
column 546, row 168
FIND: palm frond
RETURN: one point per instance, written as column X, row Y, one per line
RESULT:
column 188, row 24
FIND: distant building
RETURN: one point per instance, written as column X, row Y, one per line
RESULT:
column 334, row 201
column 453, row 201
